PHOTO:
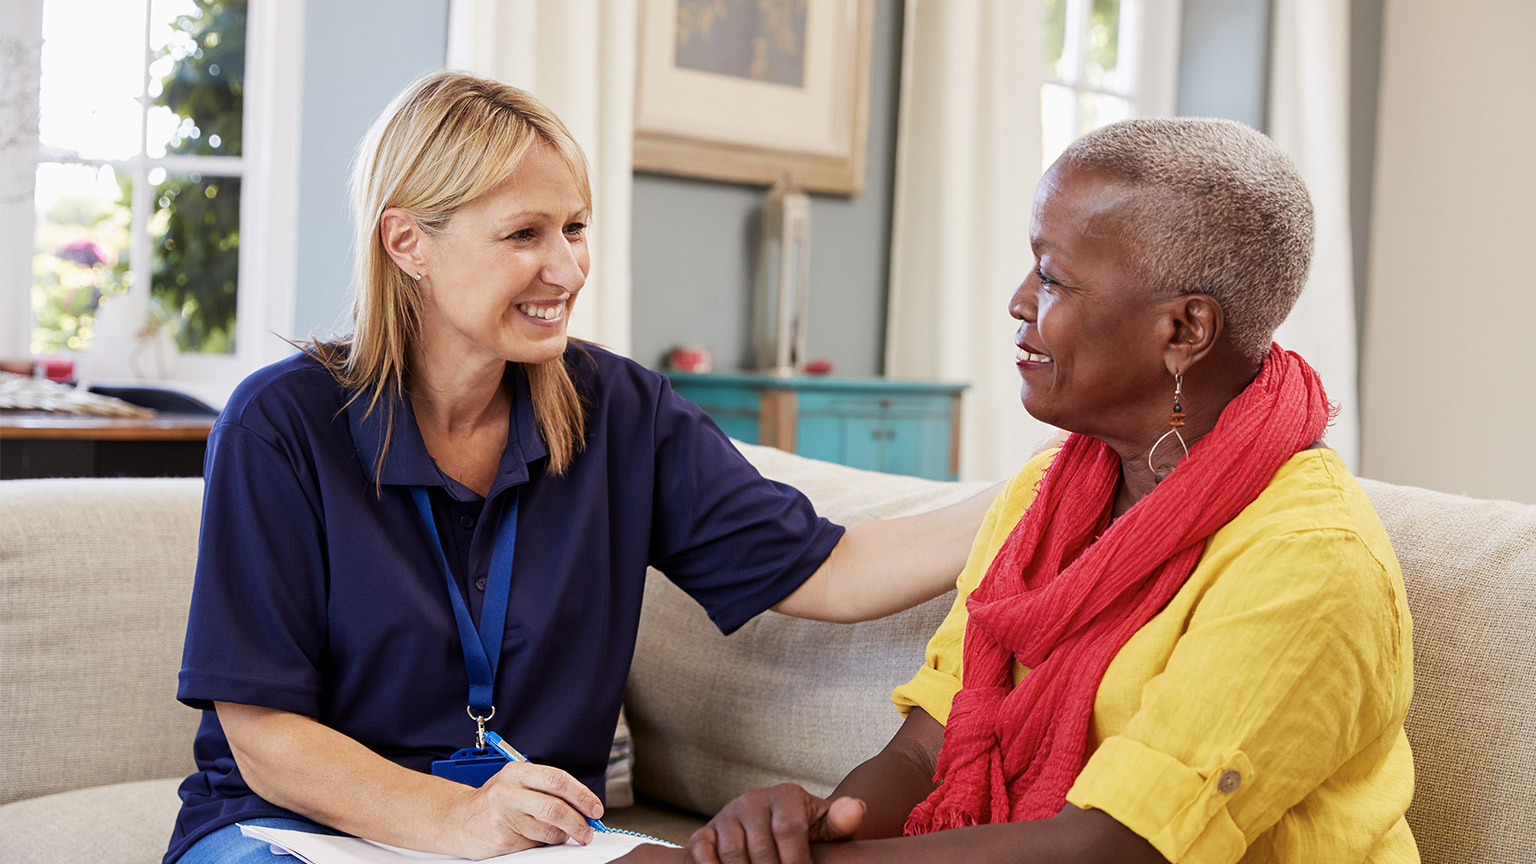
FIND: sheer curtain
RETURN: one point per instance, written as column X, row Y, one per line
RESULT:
column 21, row 45
column 1309, row 119
column 967, row 160
column 578, row 57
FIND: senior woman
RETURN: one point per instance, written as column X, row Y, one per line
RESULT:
column 439, row 527
column 1197, row 656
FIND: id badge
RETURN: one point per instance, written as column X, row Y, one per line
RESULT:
column 469, row 766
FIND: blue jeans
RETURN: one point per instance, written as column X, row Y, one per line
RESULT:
column 228, row 846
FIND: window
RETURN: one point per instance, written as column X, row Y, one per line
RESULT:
column 138, row 182
column 152, row 177
column 1105, row 60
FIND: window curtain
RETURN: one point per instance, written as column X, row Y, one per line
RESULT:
column 967, row 161
column 1309, row 119
column 578, row 57
column 21, row 45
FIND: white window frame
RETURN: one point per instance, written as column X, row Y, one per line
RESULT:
column 1152, row 52
column 267, row 271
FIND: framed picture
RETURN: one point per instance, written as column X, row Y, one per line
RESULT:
column 753, row 91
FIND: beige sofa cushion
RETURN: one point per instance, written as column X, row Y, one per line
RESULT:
column 124, row 823
column 109, row 562
column 1470, row 569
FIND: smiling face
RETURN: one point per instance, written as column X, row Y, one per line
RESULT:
column 502, row 275
column 1092, row 337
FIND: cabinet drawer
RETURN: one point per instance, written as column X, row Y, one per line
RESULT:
column 892, row 404
column 896, row 445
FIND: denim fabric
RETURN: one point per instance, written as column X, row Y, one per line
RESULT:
column 228, row 846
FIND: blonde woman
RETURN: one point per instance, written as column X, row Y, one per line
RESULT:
column 438, row 527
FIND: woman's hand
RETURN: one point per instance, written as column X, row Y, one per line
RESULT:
column 774, row 826
column 301, row 765
column 524, row 805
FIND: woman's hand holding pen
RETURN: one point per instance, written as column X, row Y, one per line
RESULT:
column 523, row 806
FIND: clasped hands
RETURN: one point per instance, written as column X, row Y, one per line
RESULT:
column 765, row 826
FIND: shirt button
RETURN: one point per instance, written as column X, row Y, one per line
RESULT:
column 466, row 521
column 1229, row 781
column 480, row 584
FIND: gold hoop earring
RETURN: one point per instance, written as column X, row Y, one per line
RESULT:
column 1175, row 422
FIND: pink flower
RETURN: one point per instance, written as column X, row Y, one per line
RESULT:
column 82, row 252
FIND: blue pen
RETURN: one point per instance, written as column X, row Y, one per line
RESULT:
column 511, row 753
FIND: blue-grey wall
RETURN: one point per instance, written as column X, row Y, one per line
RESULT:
column 1224, row 60
column 695, row 249
column 1364, row 91
column 353, row 65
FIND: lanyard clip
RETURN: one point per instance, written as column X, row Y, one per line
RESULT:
column 479, row 725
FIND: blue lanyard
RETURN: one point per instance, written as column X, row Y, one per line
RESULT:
column 482, row 648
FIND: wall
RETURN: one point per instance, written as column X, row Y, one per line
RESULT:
column 695, row 249
column 353, row 65
column 1224, row 60
column 1364, row 91
column 1449, row 356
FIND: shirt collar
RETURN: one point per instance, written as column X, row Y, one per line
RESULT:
column 407, row 462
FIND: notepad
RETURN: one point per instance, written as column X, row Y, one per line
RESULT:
column 330, row 849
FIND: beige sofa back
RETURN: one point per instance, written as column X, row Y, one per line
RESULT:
column 1470, row 570
column 803, row 701
column 95, row 576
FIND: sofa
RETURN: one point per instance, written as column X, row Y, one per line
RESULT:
column 95, row 577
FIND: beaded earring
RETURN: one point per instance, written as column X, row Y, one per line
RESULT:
column 1175, row 422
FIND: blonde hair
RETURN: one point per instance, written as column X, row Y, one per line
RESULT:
column 447, row 139
column 1218, row 209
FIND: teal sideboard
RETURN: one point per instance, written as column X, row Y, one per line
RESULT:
column 900, row 427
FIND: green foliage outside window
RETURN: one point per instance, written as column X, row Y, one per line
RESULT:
column 197, row 225
column 194, row 226
column 1103, row 42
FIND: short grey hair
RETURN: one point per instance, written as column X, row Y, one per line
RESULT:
column 1217, row 208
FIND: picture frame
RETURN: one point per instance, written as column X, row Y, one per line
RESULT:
column 754, row 93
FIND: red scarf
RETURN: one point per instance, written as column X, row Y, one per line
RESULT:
column 1063, row 603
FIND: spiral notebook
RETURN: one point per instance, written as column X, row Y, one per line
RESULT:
column 330, row 849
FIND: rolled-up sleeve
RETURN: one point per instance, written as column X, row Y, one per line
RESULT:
column 1290, row 665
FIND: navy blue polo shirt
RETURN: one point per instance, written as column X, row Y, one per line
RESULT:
column 321, row 593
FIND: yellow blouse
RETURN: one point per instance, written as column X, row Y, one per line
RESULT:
column 1259, row 716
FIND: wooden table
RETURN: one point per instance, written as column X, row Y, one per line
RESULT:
column 52, row 444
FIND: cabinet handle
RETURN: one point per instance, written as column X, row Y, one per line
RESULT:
column 876, row 434
column 890, row 434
